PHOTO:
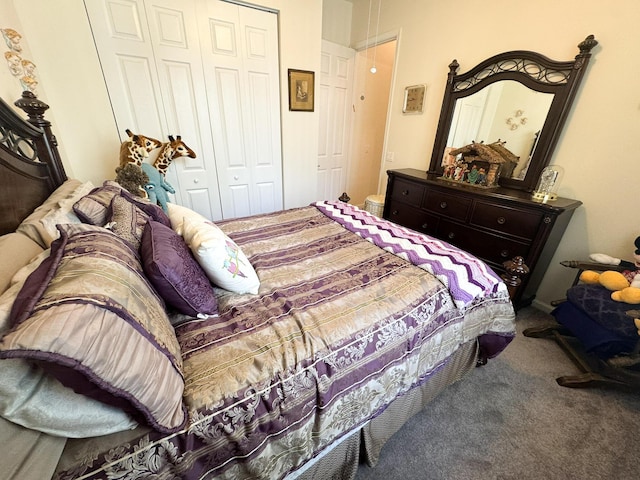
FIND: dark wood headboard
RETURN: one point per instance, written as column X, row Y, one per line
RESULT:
column 30, row 165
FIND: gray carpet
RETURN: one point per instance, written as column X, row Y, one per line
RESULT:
column 510, row 420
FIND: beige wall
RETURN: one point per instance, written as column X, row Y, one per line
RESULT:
column 598, row 146
column 59, row 38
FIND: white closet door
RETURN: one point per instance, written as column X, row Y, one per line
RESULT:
column 150, row 56
column 206, row 70
column 128, row 64
column 334, row 105
column 240, row 58
column 176, row 45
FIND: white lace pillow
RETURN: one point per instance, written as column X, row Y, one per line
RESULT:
column 222, row 260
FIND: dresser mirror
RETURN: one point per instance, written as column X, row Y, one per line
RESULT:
column 519, row 98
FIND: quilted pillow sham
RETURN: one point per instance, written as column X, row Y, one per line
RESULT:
column 89, row 317
column 95, row 207
column 176, row 275
column 35, row 400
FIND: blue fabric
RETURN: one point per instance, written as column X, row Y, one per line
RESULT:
column 600, row 324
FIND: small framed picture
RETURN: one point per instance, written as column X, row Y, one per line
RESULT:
column 301, row 90
column 414, row 99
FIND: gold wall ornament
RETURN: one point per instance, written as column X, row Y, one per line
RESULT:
column 21, row 68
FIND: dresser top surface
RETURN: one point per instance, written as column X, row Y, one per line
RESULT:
column 498, row 193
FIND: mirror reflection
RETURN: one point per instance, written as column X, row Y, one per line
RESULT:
column 506, row 112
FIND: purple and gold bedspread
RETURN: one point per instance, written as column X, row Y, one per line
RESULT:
column 339, row 329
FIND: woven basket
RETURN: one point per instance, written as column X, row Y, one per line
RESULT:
column 374, row 204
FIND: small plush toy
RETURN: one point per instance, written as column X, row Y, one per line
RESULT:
column 157, row 187
column 132, row 178
column 625, row 285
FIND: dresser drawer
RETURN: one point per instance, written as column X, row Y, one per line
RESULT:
column 413, row 218
column 407, row 192
column 444, row 204
column 491, row 248
column 513, row 221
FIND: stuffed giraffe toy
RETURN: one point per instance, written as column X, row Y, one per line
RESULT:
column 171, row 150
column 137, row 148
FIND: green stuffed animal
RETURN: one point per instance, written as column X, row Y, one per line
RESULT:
column 157, row 187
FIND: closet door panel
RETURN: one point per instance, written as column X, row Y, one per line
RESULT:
column 241, row 71
column 176, row 44
column 128, row 65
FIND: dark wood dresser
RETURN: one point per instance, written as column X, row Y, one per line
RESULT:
column 493, row 224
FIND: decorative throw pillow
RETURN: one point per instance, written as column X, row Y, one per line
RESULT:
column 35, row 400
column 222, row 260
column 89, row 317
column 127, row 221
column 176, row 275
column 94, row 208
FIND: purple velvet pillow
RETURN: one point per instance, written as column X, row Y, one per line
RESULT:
column 174, row 272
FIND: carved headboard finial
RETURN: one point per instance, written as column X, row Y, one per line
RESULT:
column 32, row 105
column 587, row 44
column 47, row 145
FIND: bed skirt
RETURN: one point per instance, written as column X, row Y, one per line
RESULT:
column 342, row 461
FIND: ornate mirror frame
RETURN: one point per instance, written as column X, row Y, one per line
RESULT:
column 534, row 71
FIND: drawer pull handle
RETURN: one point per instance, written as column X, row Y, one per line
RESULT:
column 405, row 192
column 395, row 212
column 451, row 236
column 501, row 220
column 425, row 225
column 443, row 205
column 547, row 220
column 504, row 253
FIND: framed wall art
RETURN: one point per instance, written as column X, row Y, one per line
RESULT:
column 301, row 90
column 414, row 99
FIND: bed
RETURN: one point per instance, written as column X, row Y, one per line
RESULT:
column 161, row 345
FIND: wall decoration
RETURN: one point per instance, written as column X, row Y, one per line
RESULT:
column 21, row 68
column 414, row 99
column 517, row 120
column 301, row 90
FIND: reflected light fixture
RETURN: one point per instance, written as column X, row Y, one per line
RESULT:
column 375, row 48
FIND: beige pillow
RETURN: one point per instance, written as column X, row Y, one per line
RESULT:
column 17, row 250
column 60, row 199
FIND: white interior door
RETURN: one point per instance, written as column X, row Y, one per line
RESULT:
column 333, row 96
column 466, row 120
column 240, row 57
